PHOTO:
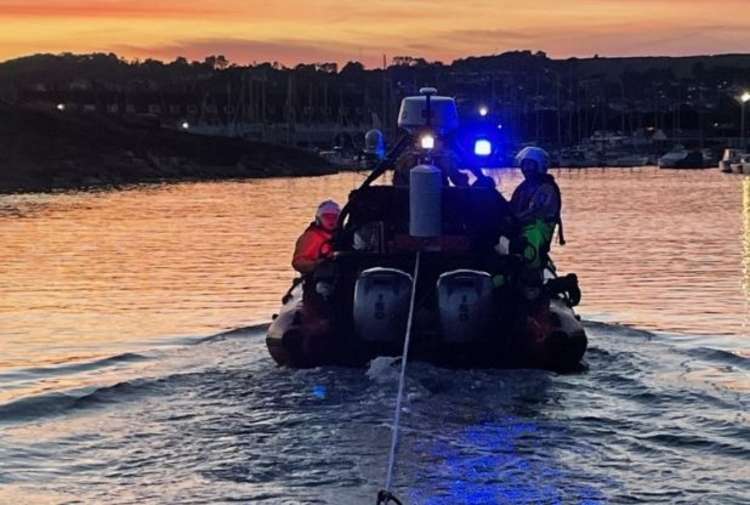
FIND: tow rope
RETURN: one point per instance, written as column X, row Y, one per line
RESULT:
column 385, row 496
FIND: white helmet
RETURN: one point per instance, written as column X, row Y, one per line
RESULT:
column 327, row 207
column 536, row 154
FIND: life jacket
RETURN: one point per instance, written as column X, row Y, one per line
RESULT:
column 528, row 190
column 311, row 246
column 537, row 237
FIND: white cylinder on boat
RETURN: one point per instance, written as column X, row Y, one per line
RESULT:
column 425, row 201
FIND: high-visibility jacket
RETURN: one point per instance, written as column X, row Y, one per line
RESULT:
column 311, row 247
column 537, row 238
column 537, row 204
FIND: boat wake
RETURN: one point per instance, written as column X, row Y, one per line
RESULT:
column 215, row 413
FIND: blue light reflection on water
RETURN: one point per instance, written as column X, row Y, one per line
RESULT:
column 320, row 392
column 239, row 429
column 501, row 461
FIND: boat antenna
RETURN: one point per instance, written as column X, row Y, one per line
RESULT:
column 427, row 114
column 427, row 92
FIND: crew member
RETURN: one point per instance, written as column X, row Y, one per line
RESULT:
column 314, row 245
column 536, row 204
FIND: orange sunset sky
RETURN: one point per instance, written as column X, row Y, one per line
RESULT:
column 292, row 31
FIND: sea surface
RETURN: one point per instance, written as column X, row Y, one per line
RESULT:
column 133, row 367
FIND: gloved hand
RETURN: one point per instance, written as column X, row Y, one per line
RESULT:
column 326, row 250
column 503, row 246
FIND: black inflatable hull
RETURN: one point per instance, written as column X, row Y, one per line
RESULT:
column 552, row 338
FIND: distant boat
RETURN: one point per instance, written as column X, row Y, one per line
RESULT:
column 743, row 165
column 732, row 157
column 342, row 159
column 625, row 160
column 578, row 157
column 681, row 158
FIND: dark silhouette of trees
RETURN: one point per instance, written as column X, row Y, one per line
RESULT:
column 529, row 93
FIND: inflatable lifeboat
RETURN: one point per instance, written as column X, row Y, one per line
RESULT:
column 432, row 245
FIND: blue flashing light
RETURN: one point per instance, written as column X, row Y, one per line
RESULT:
column 483, row 110
column 482, row 147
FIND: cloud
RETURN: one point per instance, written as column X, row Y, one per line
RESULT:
column 293, row 31
column 104, row 9
column 478, row 36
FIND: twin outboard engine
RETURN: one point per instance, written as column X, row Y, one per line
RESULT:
column 381, row 304
column 465, row 305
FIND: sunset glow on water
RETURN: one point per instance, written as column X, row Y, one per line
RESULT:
column 116, row 373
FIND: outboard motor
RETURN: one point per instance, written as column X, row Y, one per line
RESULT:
column 465, row 303
column 381, row 304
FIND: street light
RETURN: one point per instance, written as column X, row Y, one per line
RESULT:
column 743, row 100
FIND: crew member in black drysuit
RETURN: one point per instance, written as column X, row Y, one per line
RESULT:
column 536, row 204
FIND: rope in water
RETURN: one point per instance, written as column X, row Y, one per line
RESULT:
column 385, row 496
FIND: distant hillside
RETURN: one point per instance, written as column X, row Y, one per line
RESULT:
column 535, row 98
column 110, row 67
column 41, row 150
column 682, row 67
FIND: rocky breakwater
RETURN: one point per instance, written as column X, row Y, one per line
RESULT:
column 44, row 150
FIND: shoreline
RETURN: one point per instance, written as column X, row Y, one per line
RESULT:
column 46, row 151
column 115, row 183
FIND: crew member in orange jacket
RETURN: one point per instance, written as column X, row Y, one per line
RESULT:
column 314, row 245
